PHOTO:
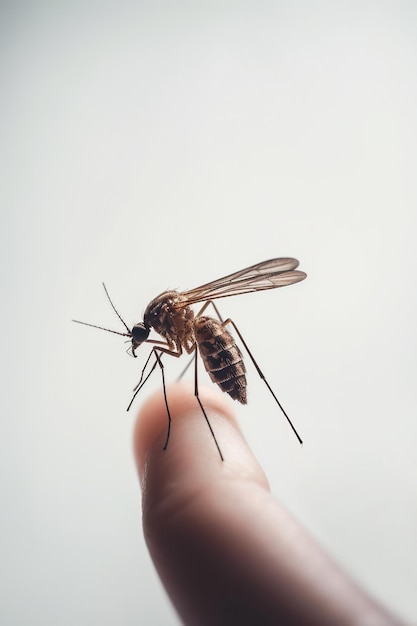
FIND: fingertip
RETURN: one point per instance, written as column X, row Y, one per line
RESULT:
column 152, row 422
column 226, row 551
column 191, row 448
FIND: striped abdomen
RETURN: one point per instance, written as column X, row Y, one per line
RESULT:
column 221, row 357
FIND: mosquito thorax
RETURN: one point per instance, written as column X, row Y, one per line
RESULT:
column 170, row 317
column 160, row 310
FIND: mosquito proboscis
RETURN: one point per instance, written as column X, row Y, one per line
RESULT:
column 182, row 330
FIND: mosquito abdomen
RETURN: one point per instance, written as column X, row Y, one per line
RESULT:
column 221, row 357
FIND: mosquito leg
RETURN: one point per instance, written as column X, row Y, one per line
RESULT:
column 204, row 307
column 262, row 376
column 143, row 380
column 162, row 350
column 143, row 371
column 186, row 367
column 201, row 405
column 200, row 312
column 158, row 359
column 157, row 352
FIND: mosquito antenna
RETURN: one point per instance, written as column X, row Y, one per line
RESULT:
column 129, row 334
column 116, row 311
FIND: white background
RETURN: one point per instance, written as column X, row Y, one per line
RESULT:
column 159, row 145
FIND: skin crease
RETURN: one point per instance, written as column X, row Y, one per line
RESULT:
column 226, row 551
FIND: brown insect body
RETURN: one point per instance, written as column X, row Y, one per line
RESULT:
column 171, row 316
column 221, row 357
column 175, row 321
column 171, row 319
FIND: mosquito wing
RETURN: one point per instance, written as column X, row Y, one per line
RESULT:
column 266, row 275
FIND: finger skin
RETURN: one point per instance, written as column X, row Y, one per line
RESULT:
column 227, row 552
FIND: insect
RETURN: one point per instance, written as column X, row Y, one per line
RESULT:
column 182, row 330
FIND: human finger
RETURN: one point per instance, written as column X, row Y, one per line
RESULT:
column 225, row 549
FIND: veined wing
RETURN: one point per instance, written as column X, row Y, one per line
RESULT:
column 266, row 275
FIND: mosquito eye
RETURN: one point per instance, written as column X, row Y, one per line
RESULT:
column 139, row 333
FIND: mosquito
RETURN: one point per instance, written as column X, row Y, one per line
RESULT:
column 182, row 330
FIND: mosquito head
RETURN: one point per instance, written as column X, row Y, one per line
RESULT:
column 139, row 334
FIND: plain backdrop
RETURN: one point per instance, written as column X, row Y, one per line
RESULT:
column 156, row 145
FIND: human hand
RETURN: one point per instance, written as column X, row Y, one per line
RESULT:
column 227, row 552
